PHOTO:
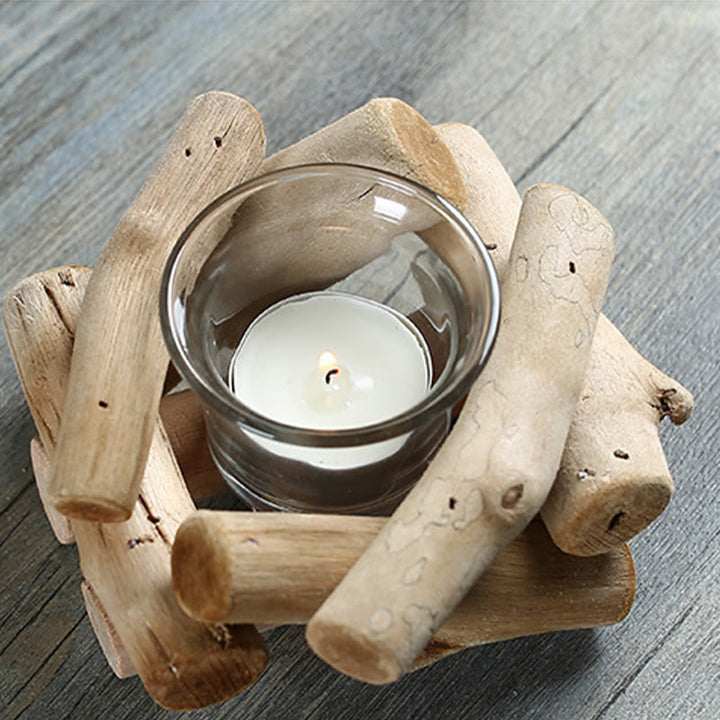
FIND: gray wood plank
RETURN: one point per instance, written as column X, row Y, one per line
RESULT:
column 618, row 101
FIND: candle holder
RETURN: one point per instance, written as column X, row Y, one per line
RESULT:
column 340, row 436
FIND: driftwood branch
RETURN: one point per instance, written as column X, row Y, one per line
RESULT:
column 183, row 664
column 120, row 360
column 613, row 479
column 495, row 469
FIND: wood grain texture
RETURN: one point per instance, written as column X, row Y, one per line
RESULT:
column 618, row 101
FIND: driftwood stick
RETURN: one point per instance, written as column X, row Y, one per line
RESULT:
column 308, row 237
column 120, row 360
column 482, row 488
column 278, row 568
column 613, row 479
column 182, row 663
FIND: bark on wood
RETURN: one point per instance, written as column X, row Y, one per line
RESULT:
column 613, row 479
column 120, row 359
column 183, row 664
column 496, row 468
column 278, row 568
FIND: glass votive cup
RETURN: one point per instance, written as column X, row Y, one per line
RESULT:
column 332, row 236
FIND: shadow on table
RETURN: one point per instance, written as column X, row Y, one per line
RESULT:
column 500, row 680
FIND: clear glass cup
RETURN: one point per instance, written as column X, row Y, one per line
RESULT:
column 337, row 229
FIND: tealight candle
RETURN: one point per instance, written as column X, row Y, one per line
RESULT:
column 331, row 361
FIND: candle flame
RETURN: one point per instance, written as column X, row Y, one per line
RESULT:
column 326, row 361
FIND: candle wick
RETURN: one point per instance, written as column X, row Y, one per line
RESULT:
column 330, row 373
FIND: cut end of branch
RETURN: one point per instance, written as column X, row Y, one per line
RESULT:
column 352, row 653
column 201, row 570
column 611, row 516
column 80, row 507
column 208, row 678
column 435, row 165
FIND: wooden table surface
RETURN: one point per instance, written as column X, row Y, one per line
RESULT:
column 619, row 101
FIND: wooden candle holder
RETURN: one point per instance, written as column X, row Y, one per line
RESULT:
column 613, row 477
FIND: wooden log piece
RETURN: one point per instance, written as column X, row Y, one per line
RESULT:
column 120, row 360
column 278, row 568
column 613, row 479
column 182, row 663
column 482, row 488
column 297, row 238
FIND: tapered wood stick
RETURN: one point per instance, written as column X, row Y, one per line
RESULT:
column 278, row 568
column 120, row 360
column 182, row 663
column 482, row 488
column 613, row 479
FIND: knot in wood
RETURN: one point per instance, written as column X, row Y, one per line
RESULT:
column 512, row 496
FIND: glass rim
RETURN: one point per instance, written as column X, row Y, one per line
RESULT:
column 224, row 401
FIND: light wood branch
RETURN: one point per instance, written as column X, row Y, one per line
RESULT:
column 182, row 663
column 495, row 469
column 120, row 360
column 613, row 479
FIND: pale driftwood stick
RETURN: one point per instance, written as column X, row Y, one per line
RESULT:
column 613, row 479
column 301, row 238
column 278, row 568
column 482, row 488
column 182, row 663
column 120, row 360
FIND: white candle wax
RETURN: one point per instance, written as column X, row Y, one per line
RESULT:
column 330, row 361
